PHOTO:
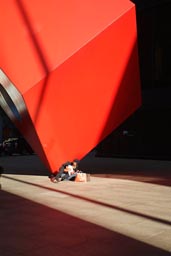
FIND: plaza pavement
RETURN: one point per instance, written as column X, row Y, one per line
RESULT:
column 125, row 209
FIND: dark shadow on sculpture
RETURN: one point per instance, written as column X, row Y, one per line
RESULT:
column 39, row 52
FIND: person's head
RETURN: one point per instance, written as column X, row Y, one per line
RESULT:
column 75, row 163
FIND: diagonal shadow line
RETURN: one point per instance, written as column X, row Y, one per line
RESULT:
column 94, row 201
column 33, row 37
column 134, row 247
column 38, row 49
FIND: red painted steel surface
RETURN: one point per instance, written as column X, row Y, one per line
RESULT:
column 75, row 64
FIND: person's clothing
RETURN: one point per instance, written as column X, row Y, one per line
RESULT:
column 62, row 175
column 72, row 177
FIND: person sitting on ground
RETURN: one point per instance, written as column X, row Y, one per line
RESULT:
column 67, row 171
column 75, row 165
column 74, row 170
column 57, row 176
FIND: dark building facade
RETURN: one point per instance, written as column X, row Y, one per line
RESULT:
column 147, row 133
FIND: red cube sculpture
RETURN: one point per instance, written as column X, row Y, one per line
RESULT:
column 69, row 72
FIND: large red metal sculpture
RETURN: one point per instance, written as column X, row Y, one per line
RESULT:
column 69, row 72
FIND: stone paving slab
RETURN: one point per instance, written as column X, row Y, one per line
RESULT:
column 106, row 216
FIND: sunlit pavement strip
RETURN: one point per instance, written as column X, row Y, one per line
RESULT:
column 135, row 209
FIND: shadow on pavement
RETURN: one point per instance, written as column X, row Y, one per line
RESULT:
column 29, row 228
